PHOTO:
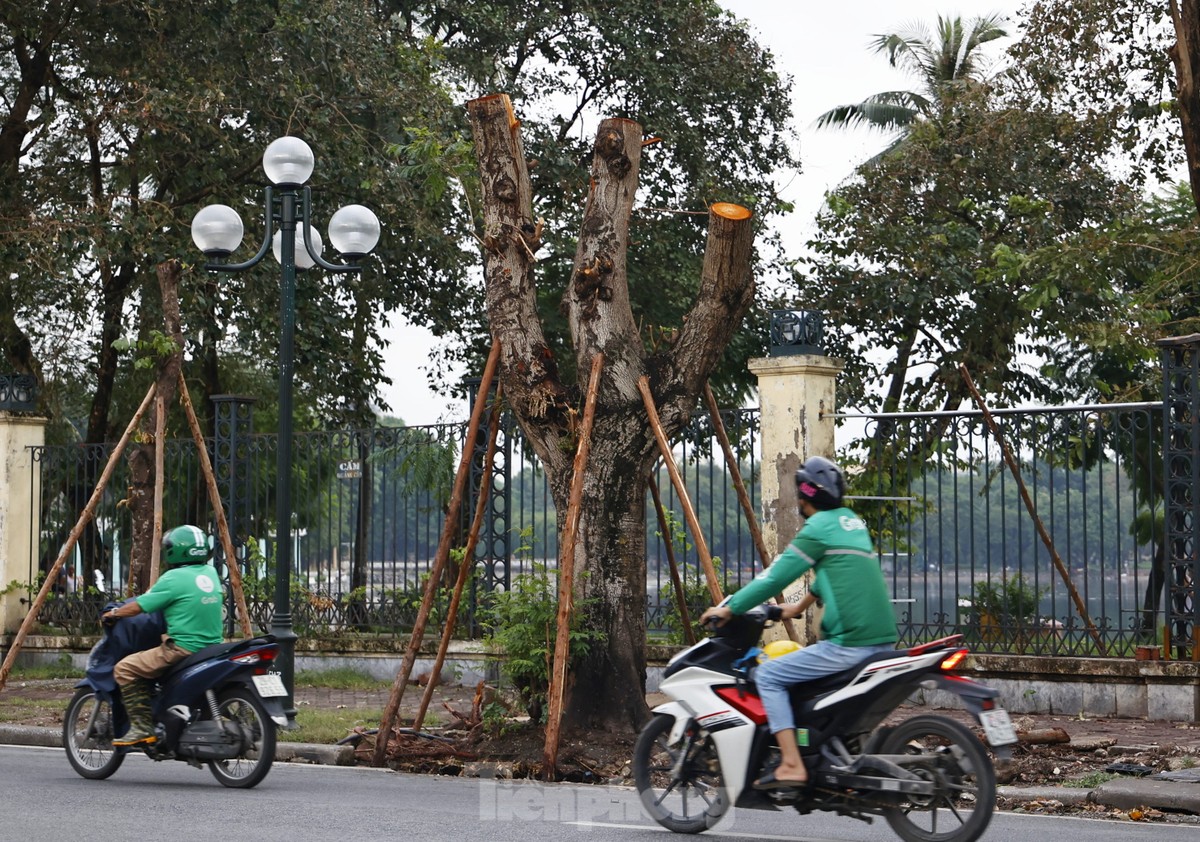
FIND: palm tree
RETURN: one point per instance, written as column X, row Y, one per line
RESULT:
column 943, row 65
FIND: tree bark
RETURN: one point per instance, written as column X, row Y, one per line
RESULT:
column 141, row 458
column 610, row 555
column 1185, row 54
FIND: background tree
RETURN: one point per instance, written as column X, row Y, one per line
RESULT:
column 943, row 65
column 114, row 140
column 917, row 259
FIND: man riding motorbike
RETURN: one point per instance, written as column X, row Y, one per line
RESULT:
column 190, row 596
column 858, row 620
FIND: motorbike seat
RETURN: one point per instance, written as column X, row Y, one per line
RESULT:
column 826, row 683
column 215, row 651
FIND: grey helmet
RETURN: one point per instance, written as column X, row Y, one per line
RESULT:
column 821, row 483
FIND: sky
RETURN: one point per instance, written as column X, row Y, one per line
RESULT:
column 825, row 48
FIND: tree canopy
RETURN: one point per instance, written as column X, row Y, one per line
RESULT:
column 119, row 120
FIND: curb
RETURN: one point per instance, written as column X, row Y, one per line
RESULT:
column 1063, row 794
column 1145, row 792
column 314, row 753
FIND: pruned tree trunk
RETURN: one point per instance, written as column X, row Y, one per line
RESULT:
column 1185, row 54
column 141, row 459
column 610, row 552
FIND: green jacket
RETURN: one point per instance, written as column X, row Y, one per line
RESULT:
column 848, row 581
column 190, row 598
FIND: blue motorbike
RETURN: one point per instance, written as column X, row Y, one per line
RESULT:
column 218, row 707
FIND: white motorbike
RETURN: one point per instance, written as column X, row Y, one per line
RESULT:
column 929, row 777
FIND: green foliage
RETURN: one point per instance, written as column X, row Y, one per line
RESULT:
column 156, row 348
column 922, row 262
column 523, row 625
column 1012, row 598
column 129, row 115
column 696, row 595
column 60, row 668
column 1090, row 780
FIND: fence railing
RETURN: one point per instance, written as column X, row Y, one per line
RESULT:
column 962, row 553
column 958, row 546
column 369, row 511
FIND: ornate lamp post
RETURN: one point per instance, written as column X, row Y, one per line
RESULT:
column 353, row 231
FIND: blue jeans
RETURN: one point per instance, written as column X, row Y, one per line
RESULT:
column 775, row 676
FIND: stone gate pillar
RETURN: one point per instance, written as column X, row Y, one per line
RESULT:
column 796, row 405
column 20, row 494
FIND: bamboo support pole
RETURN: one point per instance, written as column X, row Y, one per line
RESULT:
column 88, row 512
column 214, row 497
column 160, row 432
column 676, row 581
column 388, row 720
column 735, row 474
column 710, row 572
column 464, row 570
column 566, row 577
column 1080, row 605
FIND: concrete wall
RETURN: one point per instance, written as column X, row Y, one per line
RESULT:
column 1091, row 687
column 20, row 498
column 1105, row 687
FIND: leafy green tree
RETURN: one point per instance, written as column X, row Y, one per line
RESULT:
column 918, row 259
column 1110, row 60
column 942, row 65
column 122, row 118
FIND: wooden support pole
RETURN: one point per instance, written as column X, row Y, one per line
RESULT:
column 88, row 512
column 214, row 498
column 710, row 572
column 1080, row 605
column 160, row 433
column 735, row 473
column 689, row 633
column 566, row 577
column 464, row 569
column 388, row 720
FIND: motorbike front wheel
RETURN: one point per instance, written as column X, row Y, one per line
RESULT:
column 953, row 759
column 680, row 784
column 242, row 708
column 88, row 736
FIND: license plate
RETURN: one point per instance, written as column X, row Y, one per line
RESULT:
column 269, row 685
column 998, row 727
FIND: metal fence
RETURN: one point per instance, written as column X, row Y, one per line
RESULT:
column 962, row 552
column 958, row 546
column 369, row 509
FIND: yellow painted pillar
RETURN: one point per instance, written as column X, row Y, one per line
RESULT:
column 796, row 402
column 20, row 510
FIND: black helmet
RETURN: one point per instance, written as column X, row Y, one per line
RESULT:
column 185, row 545
column 821, row 483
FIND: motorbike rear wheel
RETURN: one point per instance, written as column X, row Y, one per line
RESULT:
column 680, row 784
column 242, row 707
column 88, row 736
column 955, row 761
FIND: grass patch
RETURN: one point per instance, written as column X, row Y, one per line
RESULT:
column 37, row 711
column 340, row 678
column 62, row 668
column 326, row 727
column 1091, row 781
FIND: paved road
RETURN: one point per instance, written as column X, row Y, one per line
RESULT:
column 45, row 801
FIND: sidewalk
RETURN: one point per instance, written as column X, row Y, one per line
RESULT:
column 1102, row 742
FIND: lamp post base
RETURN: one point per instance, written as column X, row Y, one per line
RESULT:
column 286, row 659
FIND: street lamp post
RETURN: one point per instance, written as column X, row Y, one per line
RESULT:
column 353, row 231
